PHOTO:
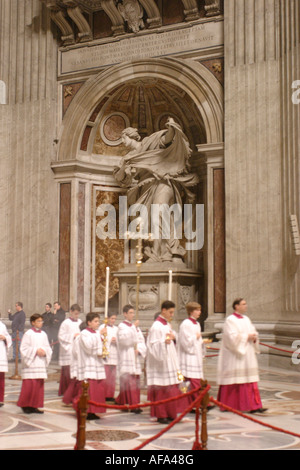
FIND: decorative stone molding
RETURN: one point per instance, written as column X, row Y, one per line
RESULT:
column 191, row 10
column 154, row 19
column 85, row 33
column 58, row 16
column 212, row 7
column 115, row 16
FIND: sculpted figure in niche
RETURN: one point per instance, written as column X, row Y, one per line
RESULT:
column 156, row 171
column 132, row 13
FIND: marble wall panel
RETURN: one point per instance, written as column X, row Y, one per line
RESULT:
column 81, row 243
column 219, row 242
column 64, row 245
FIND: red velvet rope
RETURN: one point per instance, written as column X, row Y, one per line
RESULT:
column 196, row 403
column 250, row 418
column 143, row 405
column 262, row 344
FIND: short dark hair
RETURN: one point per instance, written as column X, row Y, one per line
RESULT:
column 91, row 315
column 237, row 302
column 49, row 305
column 57, row 302
column 34, row 317
column 127, row 307
column 75, row 307
column 167, row 304
column 20, row 304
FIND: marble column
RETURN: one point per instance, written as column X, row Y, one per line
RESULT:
column 261, row 159
column 28, row 194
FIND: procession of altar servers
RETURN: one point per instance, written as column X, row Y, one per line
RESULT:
column 107, row 355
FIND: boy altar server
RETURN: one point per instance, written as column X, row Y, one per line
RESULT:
column 190, row 352
column 111, row 361
column 68, row 331
column 74, row 387
column 162, row 365
column 237, row 366
column 35, row 356
column 131, row 349
column 90, row 364
column 5, row 344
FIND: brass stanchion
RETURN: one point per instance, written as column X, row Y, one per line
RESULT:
column 16, row 376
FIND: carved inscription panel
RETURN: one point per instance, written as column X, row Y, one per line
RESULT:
column 193, row 38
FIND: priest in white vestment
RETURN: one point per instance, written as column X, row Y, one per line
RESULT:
column 35, row 357
column 5, row 344
column 131, row 351
column 238, row 373
column 163, row 366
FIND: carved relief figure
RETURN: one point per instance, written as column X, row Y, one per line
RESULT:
column 132, row 12
column 156, row 171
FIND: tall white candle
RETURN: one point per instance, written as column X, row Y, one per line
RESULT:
column 106, row 293
column 170, row 285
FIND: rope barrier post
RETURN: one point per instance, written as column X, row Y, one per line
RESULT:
column 81, row 416
column 204, row 405
column 16, row 376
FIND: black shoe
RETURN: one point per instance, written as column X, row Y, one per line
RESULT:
column 27, row 409
column 163, row 420
column 92, row 416
column 110, row 399
column 259, row 410
column 137, row 411
column 1, row 404
column 37, row 411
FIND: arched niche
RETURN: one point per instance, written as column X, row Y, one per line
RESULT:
column 193, row 78
column 187, row 83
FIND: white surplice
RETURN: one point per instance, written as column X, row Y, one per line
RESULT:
column 190, row 352
column 33, row 366
column 66, row 335
column 238, row 357
column 90, row 362
column 162, row 361
column 129, row 337
column 4, row 346
column 112, row 358
column 74, row 358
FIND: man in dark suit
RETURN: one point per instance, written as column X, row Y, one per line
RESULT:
column 59, row 316
column 18, row 324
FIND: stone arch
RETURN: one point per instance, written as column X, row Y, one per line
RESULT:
column 194, row 78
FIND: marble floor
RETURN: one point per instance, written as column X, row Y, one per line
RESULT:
column 56, row 428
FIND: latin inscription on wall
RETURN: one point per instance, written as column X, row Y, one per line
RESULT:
column 167, row 43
